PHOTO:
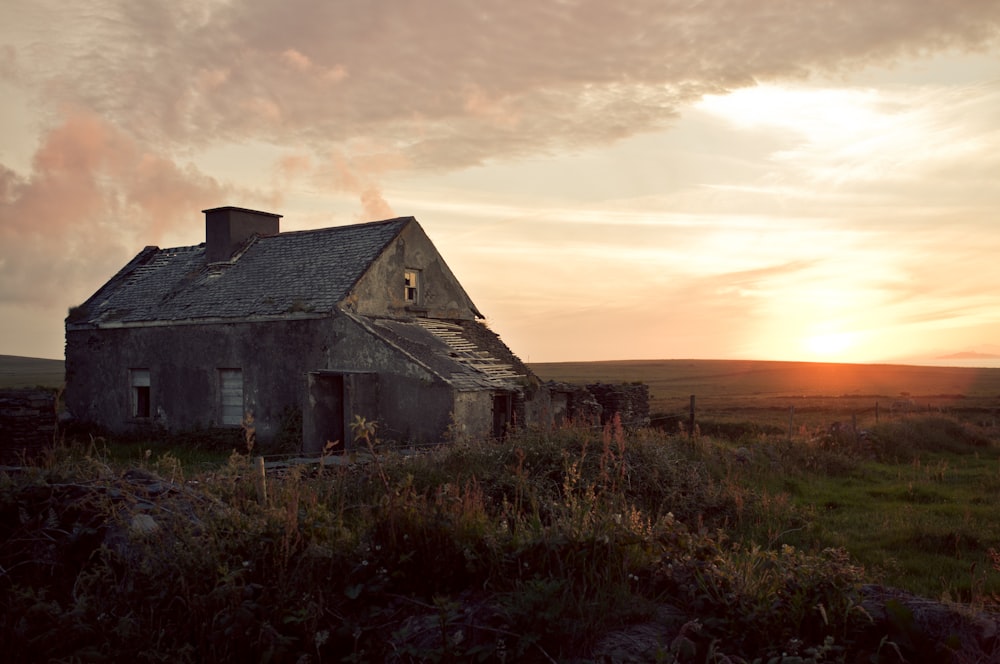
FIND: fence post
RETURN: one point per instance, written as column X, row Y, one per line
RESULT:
column 260, row 479
column 691, row 419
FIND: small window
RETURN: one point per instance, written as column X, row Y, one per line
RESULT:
column 411, row 286
column 231, row 391
column 139, row 380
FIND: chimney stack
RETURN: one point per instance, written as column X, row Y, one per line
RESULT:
column 228, row 227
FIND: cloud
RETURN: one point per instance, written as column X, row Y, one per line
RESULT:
column 93, row 198
column 903, row 170
column 348, row 96
column 453, row 83
column 443, row 86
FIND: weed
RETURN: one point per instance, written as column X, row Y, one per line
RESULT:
column 533, row 548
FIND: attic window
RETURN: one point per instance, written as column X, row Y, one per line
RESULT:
column 411, row 286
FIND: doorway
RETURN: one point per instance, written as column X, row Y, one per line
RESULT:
column 334, row 399
column 502, row 409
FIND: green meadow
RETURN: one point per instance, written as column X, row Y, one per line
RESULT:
column 900, row 465
column 21, row 372
column 760, row 535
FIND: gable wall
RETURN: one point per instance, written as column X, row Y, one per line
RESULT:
column 413, row 405
column 380, row 291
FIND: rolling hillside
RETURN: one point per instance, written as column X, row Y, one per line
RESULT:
column 30, row 372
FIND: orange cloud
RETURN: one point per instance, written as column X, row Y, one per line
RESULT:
column 93, row 198
column 359, row 173
column 296, row 59
column 294, row 166
column 374, row 206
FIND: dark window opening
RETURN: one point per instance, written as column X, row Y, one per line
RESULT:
column 411, row 292
column 141, row 403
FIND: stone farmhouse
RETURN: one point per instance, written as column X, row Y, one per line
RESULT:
column 361, row 320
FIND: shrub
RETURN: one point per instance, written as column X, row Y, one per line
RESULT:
column 903, row 440
column 530, row 549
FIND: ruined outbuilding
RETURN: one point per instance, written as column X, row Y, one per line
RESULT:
column 27, row 424
column 259, row 327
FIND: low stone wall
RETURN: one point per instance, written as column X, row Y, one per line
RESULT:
column 596, row 404
column 629, row 400
column 573, row 404
column 27, row 423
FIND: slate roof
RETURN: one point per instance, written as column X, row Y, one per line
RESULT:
column 463, row 353
column 274, row 275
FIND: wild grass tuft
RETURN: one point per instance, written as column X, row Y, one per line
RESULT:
column 531, row 549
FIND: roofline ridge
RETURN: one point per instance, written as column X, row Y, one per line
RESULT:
column 193, row 247
column 186, row 247
column 345, row 226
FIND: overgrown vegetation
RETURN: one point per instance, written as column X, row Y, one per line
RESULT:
column 566, row 545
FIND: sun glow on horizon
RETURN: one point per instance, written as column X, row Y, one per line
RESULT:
column 831, row 345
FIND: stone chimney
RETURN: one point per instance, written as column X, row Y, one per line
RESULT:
column 226, row 228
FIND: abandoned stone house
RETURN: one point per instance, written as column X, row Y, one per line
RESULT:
column 361, row 320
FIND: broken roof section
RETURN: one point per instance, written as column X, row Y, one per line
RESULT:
column 268, row 276
column 465, row 354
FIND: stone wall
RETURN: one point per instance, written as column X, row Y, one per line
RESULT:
column 629, row 400
column 27, row 423
column 597, row 403
column 572, row 404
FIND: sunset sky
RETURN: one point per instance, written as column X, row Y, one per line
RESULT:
column 777, row 179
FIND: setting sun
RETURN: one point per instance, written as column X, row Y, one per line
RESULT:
column 602, row 190
column 830, row 345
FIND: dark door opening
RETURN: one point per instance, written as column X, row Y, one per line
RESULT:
column 502, row 405
column 326, row 396
column 334, row 399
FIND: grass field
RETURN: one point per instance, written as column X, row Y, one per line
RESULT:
column 677, row 379
column 923, row 519
column 764, row 392
column 759, row 534
column 30, row 372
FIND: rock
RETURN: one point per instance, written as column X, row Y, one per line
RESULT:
column 143, row 525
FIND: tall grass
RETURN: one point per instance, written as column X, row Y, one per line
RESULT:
column 533, row 549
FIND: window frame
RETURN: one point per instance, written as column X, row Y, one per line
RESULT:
column 412, row 291
column 226, row 418
column 140, row 393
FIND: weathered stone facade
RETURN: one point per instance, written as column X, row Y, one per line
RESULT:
column 629, row 400
column 27, row 423
column 597, row 403
column 338, row 323
column 573, row 405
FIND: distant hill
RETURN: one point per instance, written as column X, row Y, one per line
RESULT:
column 16, row 371
column 684, row 377
column 969, row 355
column 673, row 381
